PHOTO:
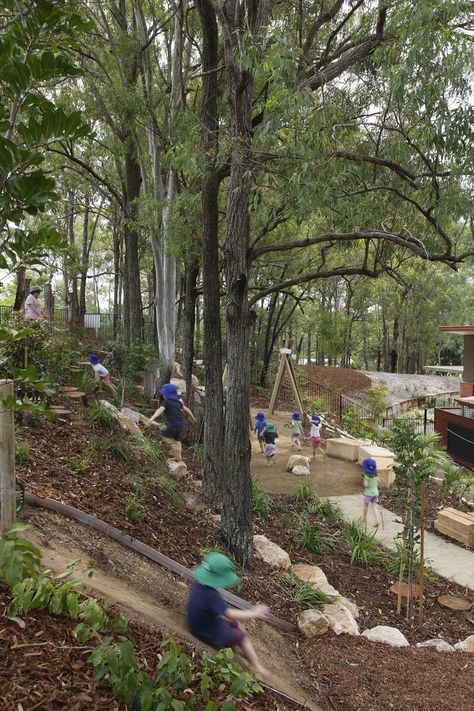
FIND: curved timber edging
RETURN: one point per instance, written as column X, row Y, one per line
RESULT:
column 145, row 550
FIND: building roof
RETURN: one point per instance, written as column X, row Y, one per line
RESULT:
column 466, row 330
column 467, row 401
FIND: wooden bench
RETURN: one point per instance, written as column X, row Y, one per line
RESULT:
column 456, row 524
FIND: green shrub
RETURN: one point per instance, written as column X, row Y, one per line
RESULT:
column 308, row 596
column 110, row 445
column 135, row 486
column 22, row 451
column 80, row 464
column 304, row 492
column 150, row 450
column 457, row 481
column 315, row 538
column 99, row 414
column 168, row 487
column 133, row 511
column 324, row 507
column 197, row 450
column 260, row 502
column 84, row 381
column 362, row 545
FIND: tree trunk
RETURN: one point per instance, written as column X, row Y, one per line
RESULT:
column 133, row 182
column 236, row 522
column 116, row 248
column 189, row 318
column 21, row 289
column 84, row 264
column 394, row 348
column 212, row 336
column 308, row 352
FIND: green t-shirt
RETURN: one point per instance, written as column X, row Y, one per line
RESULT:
column 371, row 485
column 297, row 427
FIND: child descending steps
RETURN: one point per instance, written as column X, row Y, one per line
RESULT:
column 315, row 434
column 297, row 430
column 270, row 434
column 371, row 490
column 101, row 374
column 209, row 617
column 175, row 412
column 260, row 424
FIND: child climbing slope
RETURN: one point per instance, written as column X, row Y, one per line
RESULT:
column 270, row 434
column 371, row 490
column 101, row 374
column 297, row 430
column 260, row 424
column 175, row 412
column 210, row 618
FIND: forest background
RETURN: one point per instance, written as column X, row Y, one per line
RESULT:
column 235, row 172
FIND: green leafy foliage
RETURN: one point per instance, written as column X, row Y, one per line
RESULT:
column 362, row 545
column 169, row 488
column 113, row 446
column 315, row 537
column 304, row 492
column 100, row 414
column 22, row 450
column 134, row 513
column 260, row 502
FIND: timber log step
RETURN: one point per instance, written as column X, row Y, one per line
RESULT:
column 456, row 524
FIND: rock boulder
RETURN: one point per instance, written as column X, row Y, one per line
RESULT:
column 340, row 619
column 466, row 645
column 297, row 460
column 386, row 635
column 439, row 644
column 270, row 553
column 312, row 623
column 300, row 471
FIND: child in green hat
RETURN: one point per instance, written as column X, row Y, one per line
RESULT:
column 209, row 617
column 270, row 434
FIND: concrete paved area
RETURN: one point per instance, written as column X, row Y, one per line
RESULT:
column 329, row 476
column 447, row 559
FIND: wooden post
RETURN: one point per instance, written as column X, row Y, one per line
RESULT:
column 293, row 383
column 7, row 460
column 48, row 303
column 421, row 609
column 278, row 379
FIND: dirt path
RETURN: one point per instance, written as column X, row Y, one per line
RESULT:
column 148, row 593
column 329, row 476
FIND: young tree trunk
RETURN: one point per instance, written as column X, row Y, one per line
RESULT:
column 84, row 263
column 116, row 249
column 212, row 337
column 189, row 318
column 21, row 289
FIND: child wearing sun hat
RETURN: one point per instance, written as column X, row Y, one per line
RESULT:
column 101, row 374
column 297, row 430
column 209, row 617
column 270, row 434
column 260, row 424
column 315, row 434
column 371, row 489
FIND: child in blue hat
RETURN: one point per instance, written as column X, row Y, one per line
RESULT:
column 315, row 434
column 371, row 489
column 209, row 617
column 175, row 412
column 297, row 430
column 101, row 374
column 260, row 424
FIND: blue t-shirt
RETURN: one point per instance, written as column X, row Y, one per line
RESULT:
column 204, row 610
column 260, row 426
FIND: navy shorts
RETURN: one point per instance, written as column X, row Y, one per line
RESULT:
column 171, row 433
column 230, row 634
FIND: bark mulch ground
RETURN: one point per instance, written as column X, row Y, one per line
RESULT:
column 356, row 675
column 341, row 380
column 103, row 489
column 435, row 499
column 45, row 668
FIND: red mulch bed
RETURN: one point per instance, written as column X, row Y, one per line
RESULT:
column 343, row 381
column 51, row 672
column 435, row 499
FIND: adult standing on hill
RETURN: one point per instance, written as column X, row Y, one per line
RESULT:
column 33, row 310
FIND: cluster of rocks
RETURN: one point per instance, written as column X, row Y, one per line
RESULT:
column 298, row 465
column 341, row 614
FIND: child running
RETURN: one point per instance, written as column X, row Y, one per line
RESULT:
column 315, row 434
column 270, row 434
column 101, row 374
column 260, row 424
column 297, row 430
column 371, row 489
column 209, row 617
column 175, row 412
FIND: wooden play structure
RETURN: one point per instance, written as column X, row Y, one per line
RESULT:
column 286, row 367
